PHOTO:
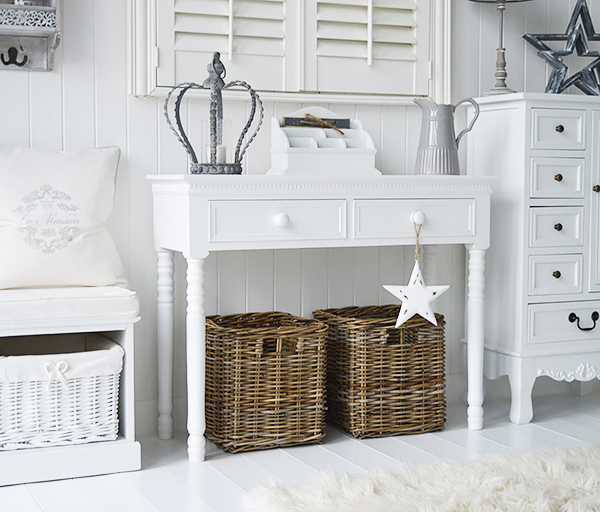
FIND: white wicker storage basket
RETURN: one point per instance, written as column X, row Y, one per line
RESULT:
column 58, row 390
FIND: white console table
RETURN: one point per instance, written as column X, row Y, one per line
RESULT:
column 199, row 214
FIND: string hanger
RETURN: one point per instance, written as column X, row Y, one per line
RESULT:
column 417, row 246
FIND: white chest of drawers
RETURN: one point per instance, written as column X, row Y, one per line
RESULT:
column 543, row 283
column 196, row 215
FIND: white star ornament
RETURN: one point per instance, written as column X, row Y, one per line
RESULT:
column 416, row 297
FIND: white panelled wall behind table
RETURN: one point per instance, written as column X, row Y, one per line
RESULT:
column 84, row 103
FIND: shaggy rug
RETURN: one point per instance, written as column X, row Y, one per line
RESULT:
column 554, row 480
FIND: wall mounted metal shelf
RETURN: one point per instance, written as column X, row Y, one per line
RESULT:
column 29, row 34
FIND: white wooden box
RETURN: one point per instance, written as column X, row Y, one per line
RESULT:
column 321, row 151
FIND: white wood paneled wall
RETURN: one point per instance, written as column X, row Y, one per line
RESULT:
column 84, row 103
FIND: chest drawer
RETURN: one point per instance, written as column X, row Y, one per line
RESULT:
column 239, row 220
column 566, row 321
column 556, row 227
column 391, row 218
column 555, row 274
column 557, row 129
column 556, row 177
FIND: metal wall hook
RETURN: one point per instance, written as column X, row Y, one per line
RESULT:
column 12, row 57
column 574, row 318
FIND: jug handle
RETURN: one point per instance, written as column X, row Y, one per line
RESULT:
column 468, row 128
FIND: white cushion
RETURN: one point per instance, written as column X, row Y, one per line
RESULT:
column 53, row 210
column 67, row 304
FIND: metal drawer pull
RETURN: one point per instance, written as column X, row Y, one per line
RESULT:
column 281, row 220
column 558, row 226
column 574, row 318
column 558, row 177
column 560, row 128
column 596, row 188
column 556, row 274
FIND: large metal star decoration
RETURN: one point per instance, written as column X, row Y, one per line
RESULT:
column 416, row 297
column 579, row 31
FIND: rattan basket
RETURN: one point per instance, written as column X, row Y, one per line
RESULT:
column 265, row 380
column 383, row 381
column 58, row 390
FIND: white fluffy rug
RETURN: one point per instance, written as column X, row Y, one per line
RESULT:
column 556, row 480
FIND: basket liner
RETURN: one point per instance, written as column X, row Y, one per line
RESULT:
column 265, row 384
column 382, row 380
column 25, row 359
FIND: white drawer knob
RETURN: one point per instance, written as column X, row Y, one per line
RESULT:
column 281, row 220
column 418, row 218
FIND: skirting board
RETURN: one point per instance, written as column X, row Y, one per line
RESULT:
column 55, row 463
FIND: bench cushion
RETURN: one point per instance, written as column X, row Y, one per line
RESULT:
column 67, row 304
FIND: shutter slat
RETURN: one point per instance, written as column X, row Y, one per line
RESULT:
column 394, row 35
column 382, row 51
column 257, row 46
column 195, row 24
column 352, row 49
column 208, row 7
column 342, row 31
column 191, row 42
column 394, row 18
column 360, row 3
column 335, row 13
column 264, row 10
column 257, row 28
column 410, row 5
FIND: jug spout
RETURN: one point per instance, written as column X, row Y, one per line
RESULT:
column 426, row 104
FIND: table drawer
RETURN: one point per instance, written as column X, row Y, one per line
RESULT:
column 564, row 322
column 391, row 218
column 555, row 274
column 557, row 129
column 556, row 177
column 556, row 227
column 265, row 220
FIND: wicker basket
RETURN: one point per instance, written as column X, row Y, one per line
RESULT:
column 58, row 390
column 265, row 380
column 381, row 380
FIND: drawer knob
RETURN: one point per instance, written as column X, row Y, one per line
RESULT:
column 556, row 274
column 560, row 128
column 558, row 177
column 574, row 318
column 418, row 218
column 558, row 226
column 281, row 220
column 596, row 188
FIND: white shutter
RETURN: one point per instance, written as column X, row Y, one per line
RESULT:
column 249, row 35
column 327, row 46
column 372, row 46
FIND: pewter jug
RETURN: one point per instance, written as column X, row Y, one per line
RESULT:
column 438, row 145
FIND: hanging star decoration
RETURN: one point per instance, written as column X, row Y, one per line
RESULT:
column 416, row 298
column 579, row 31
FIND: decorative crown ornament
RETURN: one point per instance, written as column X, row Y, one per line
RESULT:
column 215, row 83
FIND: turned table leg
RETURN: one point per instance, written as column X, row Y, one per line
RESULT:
column 475, row 340
column 195, row 355
column 164, row 320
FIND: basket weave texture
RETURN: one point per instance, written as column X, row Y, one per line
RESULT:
column 381, row 380
column 55, row 408
column 265, row 380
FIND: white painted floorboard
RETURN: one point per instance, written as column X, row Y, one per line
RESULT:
column 168, row 483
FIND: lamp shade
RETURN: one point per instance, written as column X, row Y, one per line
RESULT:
column 496, row 1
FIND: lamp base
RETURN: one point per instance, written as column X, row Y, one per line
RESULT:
column 498, row 90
